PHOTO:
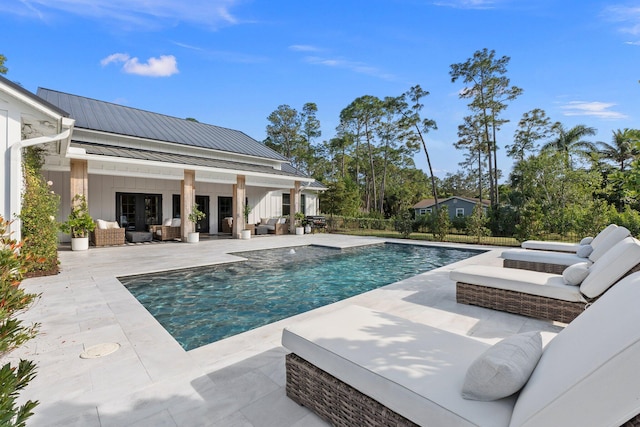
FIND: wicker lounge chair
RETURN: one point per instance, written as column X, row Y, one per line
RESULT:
column 107, row 233
column 543, row 245
column 556, row 262
column 544, row 295
column 107, row 237
column 356, row 366
column 169, row 230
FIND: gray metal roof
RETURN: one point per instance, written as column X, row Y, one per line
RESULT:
column 133, row 153
column 117, row 119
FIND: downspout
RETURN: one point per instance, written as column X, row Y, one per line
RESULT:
column 16, row 179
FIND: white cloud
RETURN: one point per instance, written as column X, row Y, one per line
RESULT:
column 357, row 67
column 164, row 66
column 591, row 109
column 627, row 16
column 135, row 14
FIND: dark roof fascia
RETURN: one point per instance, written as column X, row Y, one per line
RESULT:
column 33, row 96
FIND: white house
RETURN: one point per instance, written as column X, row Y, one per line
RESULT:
column 138, row 167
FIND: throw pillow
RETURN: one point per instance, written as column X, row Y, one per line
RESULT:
column 166, row 222
column 576, row 273
column 102, row 224
column 504, row 368
column 586, row 241
column 175, row 222
column 584, row 251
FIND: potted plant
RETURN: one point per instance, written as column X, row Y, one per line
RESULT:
column 246, row 233
column 79, row 224
column 195, row 216
column 299, row 217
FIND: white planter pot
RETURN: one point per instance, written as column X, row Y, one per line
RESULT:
column 193, row 237
column 79, row 243
column 299, row 231
column 307, row 229
column 245, row 234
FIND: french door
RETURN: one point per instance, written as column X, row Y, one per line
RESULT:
column 137, row 211
column 225, row 209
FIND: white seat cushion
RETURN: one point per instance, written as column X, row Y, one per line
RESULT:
column 608, row 242
column 612, row 266
column 530, row 282
column 588, row 374
column 601, row 235
column 413, row 369
column 550, row 246
column 545, row 257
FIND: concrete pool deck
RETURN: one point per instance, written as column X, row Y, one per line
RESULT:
column 239, row 381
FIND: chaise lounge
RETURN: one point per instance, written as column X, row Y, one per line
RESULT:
column 559, row 297
column 357, row 367
column 545, row 245
column 556, row 262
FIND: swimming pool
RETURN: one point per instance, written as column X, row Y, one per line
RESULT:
column 203, row 305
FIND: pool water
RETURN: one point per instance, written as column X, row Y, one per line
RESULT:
column 203, row 305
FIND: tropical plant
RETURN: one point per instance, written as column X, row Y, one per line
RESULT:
column 246, row 210
column 13, row 332
column 622, row 149
column 79, row 223
column 571, row 141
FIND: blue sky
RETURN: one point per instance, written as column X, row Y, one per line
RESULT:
column 232, row 62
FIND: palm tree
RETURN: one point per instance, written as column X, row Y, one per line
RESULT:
column 622, row 149
column 570, row 141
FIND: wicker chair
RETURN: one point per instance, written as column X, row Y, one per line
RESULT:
column 165, row 232
column 107, row 237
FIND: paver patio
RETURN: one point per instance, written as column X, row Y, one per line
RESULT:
column 239, row 381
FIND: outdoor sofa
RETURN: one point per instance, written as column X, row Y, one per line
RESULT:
column 272, row 226
column 360, row 367
column 546, row 295
column 556, row 262
column 545, row 245
column 107, row 233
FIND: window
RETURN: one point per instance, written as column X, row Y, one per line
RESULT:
column 459, row 212
column 429, row 210
column 422, row 212
column 286, row 204
column 303, row 204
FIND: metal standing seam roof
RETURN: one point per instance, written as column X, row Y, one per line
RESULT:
column 117, row 119
column 156, row 156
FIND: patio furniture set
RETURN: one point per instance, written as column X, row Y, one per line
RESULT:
column 357, row 366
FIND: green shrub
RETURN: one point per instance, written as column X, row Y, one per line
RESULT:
column 38, row 217
column 403, row 224
column 13, row 333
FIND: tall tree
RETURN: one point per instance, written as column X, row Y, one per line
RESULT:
column 571, row 141
column 283, row 132
column 471, row 138
column 489, row 92
column 534, row 126
column 622, row 149
column 410, row 106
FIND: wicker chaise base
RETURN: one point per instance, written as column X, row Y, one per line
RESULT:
column 534, row 266
column 518, row 302
column 335, row 401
